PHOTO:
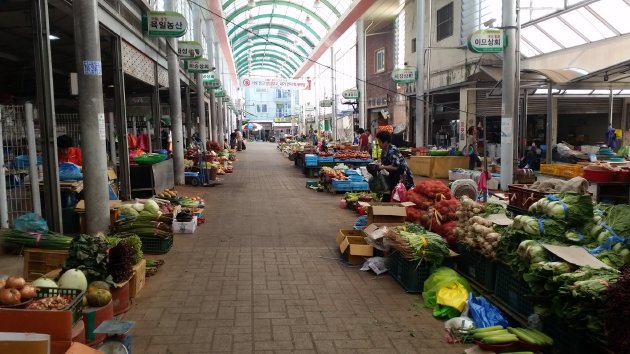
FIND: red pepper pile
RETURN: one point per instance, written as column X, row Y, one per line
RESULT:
column 435, row 208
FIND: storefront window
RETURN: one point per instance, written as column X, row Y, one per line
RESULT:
column 380, row 60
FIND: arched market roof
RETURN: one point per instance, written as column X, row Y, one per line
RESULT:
column 277, row 36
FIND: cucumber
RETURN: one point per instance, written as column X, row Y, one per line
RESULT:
column 500, row 339
column 488, row 329
column 525, row 336
column 540, row 336
column 482, row 335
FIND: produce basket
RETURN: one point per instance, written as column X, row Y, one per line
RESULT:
column 565, row 340
column 156, row 245
column 512, row 291
column 477, row 267
column 149, row 159
column 75, row 305
column 521, row 197
column 360, row 186
column 410, row 275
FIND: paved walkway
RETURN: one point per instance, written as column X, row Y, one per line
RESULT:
column 260, row 276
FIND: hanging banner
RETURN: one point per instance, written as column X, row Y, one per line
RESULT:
column 219, row 93
column 351, row 94
column 189, row 49
column 164, row 24
column 489, row 40
column 405, row 76
column 201, row 65
column 275, row 82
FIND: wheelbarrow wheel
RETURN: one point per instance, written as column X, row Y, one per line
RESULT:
column 194, row 182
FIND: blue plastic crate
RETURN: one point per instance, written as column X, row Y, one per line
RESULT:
column 326, row 159
column 351, row 173
column 356, row 178
column 310, row 163
column 340, row 185
column 360, row 186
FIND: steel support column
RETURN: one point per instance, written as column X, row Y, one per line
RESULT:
column 420, row 121
column 188, row 118
column 175, row 96
column 509, row 90
column 333, row 94
column 124, row 181
column 32, row 160
column 157, row 111
column 46, row 115
column 361, row 74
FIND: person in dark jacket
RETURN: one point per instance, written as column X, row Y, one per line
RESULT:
column 394, row 163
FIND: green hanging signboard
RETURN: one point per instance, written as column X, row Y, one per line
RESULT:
column 189, row 49
column 490, row 40
column 164, row 24
column 405, row 76
column 350, row 94
column 210, row 81
column 219, row 93
column 201, row 65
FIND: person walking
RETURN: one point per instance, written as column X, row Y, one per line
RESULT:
column 239, row 140
column 363, row 140
column 471, row 148
column 394, row 163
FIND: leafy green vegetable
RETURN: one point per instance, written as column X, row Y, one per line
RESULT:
column 89, row 254
column 425, row 246
column 572, row 208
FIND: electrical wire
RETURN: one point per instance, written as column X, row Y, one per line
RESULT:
column 419, row 99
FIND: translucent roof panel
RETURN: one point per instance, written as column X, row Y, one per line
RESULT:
column 561, row 32
column 539, row 40
column 296, row 25
column 576, row 23
column 587, row 24
column 615, row 12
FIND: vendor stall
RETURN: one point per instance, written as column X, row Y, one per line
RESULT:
column 436, row 166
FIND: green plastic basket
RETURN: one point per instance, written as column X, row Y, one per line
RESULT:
column 76, row 304
column 410, row 275
column 156, row 245
column 149, row 159
column 477, row 267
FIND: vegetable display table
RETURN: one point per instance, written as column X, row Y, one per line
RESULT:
column 149, row 180
column 436, row 166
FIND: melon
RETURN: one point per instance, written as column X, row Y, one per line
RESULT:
column 73, row 279
column 98, row 298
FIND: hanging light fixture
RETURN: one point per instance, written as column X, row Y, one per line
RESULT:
column 251, row 3
column 307, row 20
column 317, row 4
column 300, row 33
column 250, row 18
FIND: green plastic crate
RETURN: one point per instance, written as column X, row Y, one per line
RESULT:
column 409, row 275
column 513, row 291
column 565, row 340
column 477, row 267
column 156, row 245
column 75, row 305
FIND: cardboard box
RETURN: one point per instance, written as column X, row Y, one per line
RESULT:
column 137, row 280
column 353, row 246
column 386, row 213
column 185, row 227
column 32, row 343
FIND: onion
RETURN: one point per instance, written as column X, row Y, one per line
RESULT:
column 9, row 296
column 15, row 282
column 28, row 292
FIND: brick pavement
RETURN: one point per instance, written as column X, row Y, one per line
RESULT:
column 258, row 278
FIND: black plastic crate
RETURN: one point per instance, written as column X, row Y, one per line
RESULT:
column 512, row 290
column 156, row 245
column 410, row 275
column 75, row 305
column 477, row 267
column 565, row 340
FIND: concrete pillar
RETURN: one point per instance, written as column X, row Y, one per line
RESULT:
column 420, row 119
column 175, row 97
column 509, row 90
column 92, row 117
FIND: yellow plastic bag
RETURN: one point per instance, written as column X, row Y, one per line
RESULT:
column 453, row 295
column 444, row 278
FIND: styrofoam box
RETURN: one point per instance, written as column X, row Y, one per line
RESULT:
column 185, row 227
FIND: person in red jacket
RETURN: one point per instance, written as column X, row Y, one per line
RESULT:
column 66, row 152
